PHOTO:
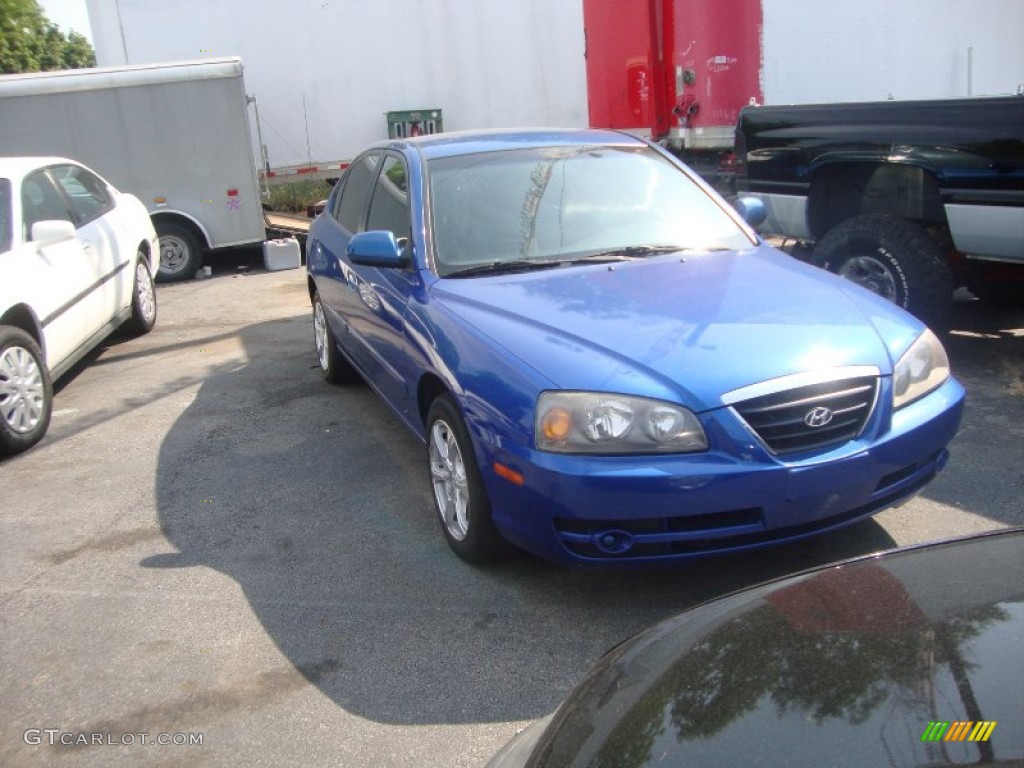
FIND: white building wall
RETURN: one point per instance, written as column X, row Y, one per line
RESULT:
column 866, row 50
column 485, row 63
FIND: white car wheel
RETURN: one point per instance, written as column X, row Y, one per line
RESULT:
column 26, row 394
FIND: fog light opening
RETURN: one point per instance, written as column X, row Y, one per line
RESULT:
column 613, row 542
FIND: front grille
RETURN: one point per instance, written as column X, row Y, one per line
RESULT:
column 783, row 420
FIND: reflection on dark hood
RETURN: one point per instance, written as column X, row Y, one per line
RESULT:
column 841, row 666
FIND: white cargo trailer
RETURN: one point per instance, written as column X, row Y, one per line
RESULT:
column 174, row 135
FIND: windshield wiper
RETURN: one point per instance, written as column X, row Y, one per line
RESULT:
column 499, row 267
column 629, row 252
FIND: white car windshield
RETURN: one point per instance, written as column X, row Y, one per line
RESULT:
column 567, row 203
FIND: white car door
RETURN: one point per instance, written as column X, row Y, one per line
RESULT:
column 104, row 233
column 61, row 276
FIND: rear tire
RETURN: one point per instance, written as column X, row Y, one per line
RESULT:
column 460, row 499
column 143, row 299
column 180, row 252
column 26, row 393
column 333, row 365
column 893, row 258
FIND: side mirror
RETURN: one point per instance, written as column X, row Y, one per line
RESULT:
column 377, row 248
column 52, row 230
column 752, row 209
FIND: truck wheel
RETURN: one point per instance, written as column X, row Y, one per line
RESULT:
column 180, row 252
column 26, row 394
column 894, row 258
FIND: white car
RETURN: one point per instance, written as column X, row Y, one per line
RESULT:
column 76, row 261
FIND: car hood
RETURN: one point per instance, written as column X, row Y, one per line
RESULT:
column 687, row 327
column 872, row 662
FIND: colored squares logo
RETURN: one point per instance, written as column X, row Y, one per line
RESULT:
column 959, row 730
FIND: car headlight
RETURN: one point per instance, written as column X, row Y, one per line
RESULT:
column 598, row 422
column 922, row 368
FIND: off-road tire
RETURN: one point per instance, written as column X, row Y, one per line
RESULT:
column 895, row 258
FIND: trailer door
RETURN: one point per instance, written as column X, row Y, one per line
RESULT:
column 625, row 75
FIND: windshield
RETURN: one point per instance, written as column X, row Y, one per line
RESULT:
column 565, row 203
column 5, row 215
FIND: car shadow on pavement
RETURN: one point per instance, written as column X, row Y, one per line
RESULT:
column 985, row 344
column 315, row 500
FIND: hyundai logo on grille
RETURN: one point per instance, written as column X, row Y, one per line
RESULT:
column 818, row 417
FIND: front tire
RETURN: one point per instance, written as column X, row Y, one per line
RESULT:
column 894, row 258
column 180, row 252
column 460, row 499
column 143, row 299
column 26, row 393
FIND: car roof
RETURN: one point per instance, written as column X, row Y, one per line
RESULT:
column 16, row 167
column 494, row 140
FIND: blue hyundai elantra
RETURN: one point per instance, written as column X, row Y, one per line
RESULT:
column 605, row 361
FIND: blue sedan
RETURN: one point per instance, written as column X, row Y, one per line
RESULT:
column 605, row 361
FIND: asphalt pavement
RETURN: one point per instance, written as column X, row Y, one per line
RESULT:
column 213, row 545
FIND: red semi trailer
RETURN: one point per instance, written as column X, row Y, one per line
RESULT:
column 677, row 71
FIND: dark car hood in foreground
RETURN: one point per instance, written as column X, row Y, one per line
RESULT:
column 845, row 665
column 690, row 325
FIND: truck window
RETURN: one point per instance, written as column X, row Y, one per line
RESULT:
column 358, row 184
column 40, row 201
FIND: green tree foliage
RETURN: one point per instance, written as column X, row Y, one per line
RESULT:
column 30, row 42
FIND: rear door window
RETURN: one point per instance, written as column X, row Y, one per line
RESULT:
column 88, row 195
column 389, row 208
column 42, row 201
column 358, row 185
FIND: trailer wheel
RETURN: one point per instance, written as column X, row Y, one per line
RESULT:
column 894, row 258
column 180, row 252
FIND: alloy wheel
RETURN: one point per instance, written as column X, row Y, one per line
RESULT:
column 22, row 393
column 145, row 291
column 320, row 335
column 448, row 475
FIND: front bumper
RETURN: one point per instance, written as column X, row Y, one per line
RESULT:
column 737, row 496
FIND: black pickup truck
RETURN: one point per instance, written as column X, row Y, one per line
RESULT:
column 908, row 198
